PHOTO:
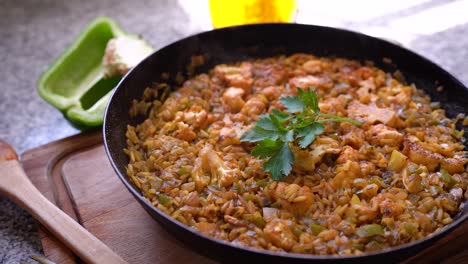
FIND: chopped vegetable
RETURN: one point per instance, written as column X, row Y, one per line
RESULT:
column 164, row 199
column 415, row 171
column 410, row 228
column 262, row 182
column 182, row 171
column 359, row 247
column 435, row 105
column 300, row 124
column 297, row 231
column 269, row 213
column 397, row 161
column 255, row 218
column 276, row 204
column 458, row 134
column 76, row 83
column 370, row 230
column 412, row 182
column 316, row 229
column 374, row 245
column 355, row 199
column 447, row 178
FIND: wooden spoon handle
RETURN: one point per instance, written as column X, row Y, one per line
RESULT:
column 16, row 185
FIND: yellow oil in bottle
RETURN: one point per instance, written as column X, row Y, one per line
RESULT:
column 237, row 12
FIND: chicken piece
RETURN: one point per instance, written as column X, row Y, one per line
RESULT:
column 292, row 197
column 236, row 76
column 209, row 229
column 382, row 135
column 195, row 117
column 272, row 92
column 396, row 94
column 268, row 74
column 334, row 105
column 304, row 82
column 254, row 106
column 364, row 95
column 454, row 165
column 315, row 66
column 346, row 173
column 208, row 162
column 390, row 208
column 371, row 113
column 348, row 167
column 280, row 234
column 354, row 135
column 417, row 154
column 191, row 199
column 305, row 160
column 232, row 99
column 230, row 134
column 364, row 212
column 347, row 153
column 184, row 132
column 328, row 235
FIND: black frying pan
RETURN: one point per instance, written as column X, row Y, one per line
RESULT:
column 264, row 40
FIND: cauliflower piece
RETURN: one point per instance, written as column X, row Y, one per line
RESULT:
column 208, row 162
column 123, row 53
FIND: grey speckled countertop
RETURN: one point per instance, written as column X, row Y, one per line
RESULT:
column 34, row 32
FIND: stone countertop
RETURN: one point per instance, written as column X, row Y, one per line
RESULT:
column 33, row 33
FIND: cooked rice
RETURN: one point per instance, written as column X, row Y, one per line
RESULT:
column 396, row 179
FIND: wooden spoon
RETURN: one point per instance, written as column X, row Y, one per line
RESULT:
column 16, row 185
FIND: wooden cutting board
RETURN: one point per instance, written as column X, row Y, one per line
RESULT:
column 75, row 174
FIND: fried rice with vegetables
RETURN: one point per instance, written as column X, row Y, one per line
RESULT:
column 397, row 178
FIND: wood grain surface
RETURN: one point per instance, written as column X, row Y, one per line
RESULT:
column 75, row 174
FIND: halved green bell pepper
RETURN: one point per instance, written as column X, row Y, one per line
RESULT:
column 75, row 82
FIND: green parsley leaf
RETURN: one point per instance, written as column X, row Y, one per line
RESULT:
column 301, row 123
column 293, row 104
column 258, row 134
column 287, row 136
column 334, row 118
column 265, row 148
column 280, row 115
column 310, row 99
column 279, row 125
column 265, row 122
column 280, row 162
column 308, row 134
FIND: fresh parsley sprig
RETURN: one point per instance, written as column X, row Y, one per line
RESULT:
column 300, row 125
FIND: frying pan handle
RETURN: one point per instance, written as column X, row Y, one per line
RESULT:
column 16, row 185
